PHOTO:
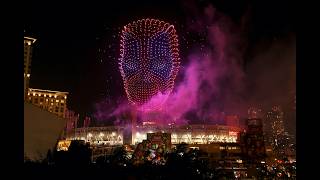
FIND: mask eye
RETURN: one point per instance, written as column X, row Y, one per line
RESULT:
column 161, row 66
column 130, row 66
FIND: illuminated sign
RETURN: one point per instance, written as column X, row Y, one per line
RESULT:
column 63, row 145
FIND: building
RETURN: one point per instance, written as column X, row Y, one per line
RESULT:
column 253, row 146
column 28, row 42
column 160, row 140
column 190, row 134
column 254, row 112
column 275, row 131
column 41, row 131
column 52, row 101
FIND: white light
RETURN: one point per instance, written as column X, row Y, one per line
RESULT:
column 90, row 135
column 101, row 134
column 113, row 133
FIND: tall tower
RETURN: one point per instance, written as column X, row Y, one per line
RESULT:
column 253, row 141
column 28, row 42
column 276, row 132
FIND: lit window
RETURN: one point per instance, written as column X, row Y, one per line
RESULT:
column 65, row 97
column 45, row 95
column 46, row 99
column 57, row 100
column 28, row 75
column 49, row 95
column 55, row 96
column 34, row 94
column 62, row 101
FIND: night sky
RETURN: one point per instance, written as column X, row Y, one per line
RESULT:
column 78, row 43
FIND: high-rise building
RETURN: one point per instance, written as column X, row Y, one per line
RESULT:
column 252, row 139
column 28, row 42
column 275, row 131
column 52, row 101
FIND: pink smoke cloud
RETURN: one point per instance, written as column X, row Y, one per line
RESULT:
column 202, row 89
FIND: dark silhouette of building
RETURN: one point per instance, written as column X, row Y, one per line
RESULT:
column 253, row 147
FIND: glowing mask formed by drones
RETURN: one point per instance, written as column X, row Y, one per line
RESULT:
column 149, row 60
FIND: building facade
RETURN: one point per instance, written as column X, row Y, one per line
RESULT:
column 28, row 43
column 253, row 146
column 278, row 138
column 52, row 101
column 190, row 134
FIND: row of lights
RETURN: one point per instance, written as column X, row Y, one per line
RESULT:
column 45, row 95
column 101, row 134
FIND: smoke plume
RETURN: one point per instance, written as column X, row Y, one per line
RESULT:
column 214, row 79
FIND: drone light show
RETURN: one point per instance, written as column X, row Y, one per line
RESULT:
column 149, row 62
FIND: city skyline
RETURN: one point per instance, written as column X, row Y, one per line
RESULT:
column 183, row 89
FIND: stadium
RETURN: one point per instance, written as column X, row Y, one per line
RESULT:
column 190, row 134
